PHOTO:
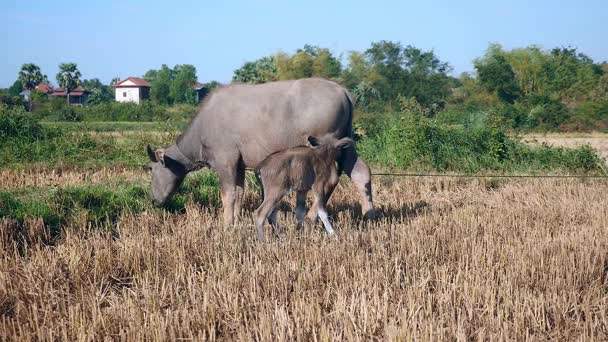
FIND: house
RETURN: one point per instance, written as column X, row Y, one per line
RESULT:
column 78, row 95
column 44, row 88
column 132, row 89
column 200, row 91
column 25, row 93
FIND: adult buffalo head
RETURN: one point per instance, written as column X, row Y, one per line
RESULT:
column 168, row 170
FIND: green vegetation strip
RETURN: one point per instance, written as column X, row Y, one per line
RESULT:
column 101, row 204
column 407, row 140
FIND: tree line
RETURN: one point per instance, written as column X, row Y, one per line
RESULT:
column 168, row 85
column 527, row 88
column 524, row 87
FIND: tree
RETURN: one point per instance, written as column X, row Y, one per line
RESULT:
column 16, row 88
column 326, row 65
column 300, row 66
column 364, row 94
column 161, row 84
column 68, row 77
column 260, row 71
column 179, row 90
column 99, row 91
column 496, row 74
column 406, row 72
column 212, row 85
column 427, row 78
column 30, row 76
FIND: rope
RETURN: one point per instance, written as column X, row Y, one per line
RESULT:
column 402, row 174
column 481, row 176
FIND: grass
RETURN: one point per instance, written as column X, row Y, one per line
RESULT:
column 447, row 259
column 413, row 142
column 82, row 150
column 116, row 126
column 599, row 141
column 98, row 204
column 399, row 142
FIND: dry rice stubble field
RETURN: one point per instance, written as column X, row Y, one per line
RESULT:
column 447, row 259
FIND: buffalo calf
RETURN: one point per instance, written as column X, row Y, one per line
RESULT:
column 300, row 169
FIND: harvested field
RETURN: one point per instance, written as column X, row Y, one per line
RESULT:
column 598, row 141
column 446, row 259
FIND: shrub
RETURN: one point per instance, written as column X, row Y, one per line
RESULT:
column 18, row 210
column 100, row 204
column 17, row 124
column 588, row 116
column 411, row 141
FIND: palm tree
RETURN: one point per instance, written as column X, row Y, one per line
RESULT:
column 30, row 76
column 68, row 77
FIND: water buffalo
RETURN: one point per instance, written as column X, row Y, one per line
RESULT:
column 240, row 125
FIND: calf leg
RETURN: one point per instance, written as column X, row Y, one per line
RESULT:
column 329, row 189
column 300, row 208
column 272, row 219
column 271, row 200
column 322, row 210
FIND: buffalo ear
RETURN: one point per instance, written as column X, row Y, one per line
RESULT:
column 160, row 156
column 345, row 143
column 312, row 141
column 151, row 154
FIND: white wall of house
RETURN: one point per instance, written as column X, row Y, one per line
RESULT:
column 127, row 95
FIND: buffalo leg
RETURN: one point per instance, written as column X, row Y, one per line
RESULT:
column 229, row 181
column 239, row 191
column 360, row 174
column 227, row 187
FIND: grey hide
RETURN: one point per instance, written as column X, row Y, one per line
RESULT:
column 240, row 125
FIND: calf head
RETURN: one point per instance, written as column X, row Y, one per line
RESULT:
column 167, row 174
column 330, row 141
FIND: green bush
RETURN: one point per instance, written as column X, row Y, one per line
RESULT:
column 17, row 124
column 411, row 141
column 100, row 204
column 199, row 187
column 116, row 111
column 13, row 208
column 588, row 116
column 547, row 113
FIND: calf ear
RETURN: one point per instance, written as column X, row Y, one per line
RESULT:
column 345, row 143
column 151, row 153
column 312, row 141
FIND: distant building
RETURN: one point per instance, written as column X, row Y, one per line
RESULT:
column 78, row 95
column 26, row 93
column 200, row 91
column 44, row 88
column 132, row 89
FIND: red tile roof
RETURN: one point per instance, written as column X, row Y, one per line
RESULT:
column 137, row 82
column 196, row 86
column 44, row 88
column 78, row 91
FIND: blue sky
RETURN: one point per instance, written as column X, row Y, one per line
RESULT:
column 126, row 38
